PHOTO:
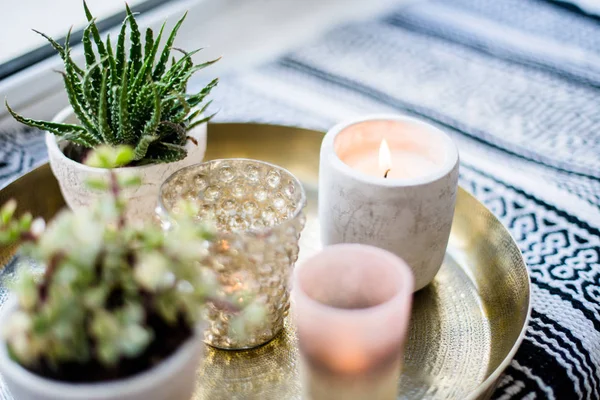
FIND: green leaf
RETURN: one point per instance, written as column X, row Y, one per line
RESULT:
column 191, row 118
column 165, row 152
column 195, row 99
column 70, row 65
column 120, row 54
column 129, row 180
column 7, row 211
column 124, row 155
column 172, row 133
column 81, row 138
column 149, row 43
column 200, row 121
column 197, row 68
column 135, row 51
column 152, row 124
column 96, row 35
column 62, row 51
column 125, row 127
column 97, row 183
column 142, row 146
column 94, row 77
column 73, row 133
column 114, row 77
column 103, row 114
column 89, row 90
column 143, row 105
column 164, row 57
column 110, row 157
column 144, row 72
column 175, row 79
column 75, row 98
column 185, row 108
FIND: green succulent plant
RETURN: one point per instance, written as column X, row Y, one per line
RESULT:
column 114, row 298
column 132, row 98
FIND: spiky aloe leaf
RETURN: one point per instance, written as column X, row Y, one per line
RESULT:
column 199, row 97
column 94, row 78
column 104, row 128
column 143, row 105
column 149, row 43
column 89, row 90
column 74, row 89
column 75, row 100
column 150, row 134
column 198, row 67
column 152, row 125
column 85, row 138
column 127, row 135
column 70, row 66
column 77, row 138
column 146, row 69
column 114, row 78
column 164, row 57
column 135, row 51
column 62, row 51
column 120, row 50
column 142, row 147
column 171, row 132
column 188, row 119
column 165, row 152
column 172, row 79
column 185, row 108
column 96, row 35
column 200, row 121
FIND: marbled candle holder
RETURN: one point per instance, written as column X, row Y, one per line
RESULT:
column 408, row 213
column 351, row 306
column 257, row 208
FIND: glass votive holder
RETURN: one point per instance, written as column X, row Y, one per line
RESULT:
column 351, row 306
column 257, row 208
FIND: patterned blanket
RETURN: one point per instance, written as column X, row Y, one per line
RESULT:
column 517, row 84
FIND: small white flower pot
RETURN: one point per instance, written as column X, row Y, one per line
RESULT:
column 172, row 379
column 72, row 176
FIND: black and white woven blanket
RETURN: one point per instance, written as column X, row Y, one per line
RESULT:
column 517, row 84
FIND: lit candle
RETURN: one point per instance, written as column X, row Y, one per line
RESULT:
column 391, row 182
column 396, row 164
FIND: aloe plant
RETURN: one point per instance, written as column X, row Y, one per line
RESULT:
column 133, row 98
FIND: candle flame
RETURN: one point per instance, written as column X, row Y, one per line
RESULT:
column 385, row 158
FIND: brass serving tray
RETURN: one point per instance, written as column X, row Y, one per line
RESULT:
column 466, row 326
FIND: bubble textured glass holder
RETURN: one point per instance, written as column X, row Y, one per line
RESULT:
column 258, row 211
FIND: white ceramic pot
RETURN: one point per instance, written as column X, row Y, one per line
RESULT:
column 408, row 216
column 72, row 176
column 172, row 379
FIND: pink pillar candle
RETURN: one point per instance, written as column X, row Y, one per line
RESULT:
column 352, row 309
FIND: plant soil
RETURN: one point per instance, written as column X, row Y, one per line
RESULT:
column 167, row 340
column 75, row 152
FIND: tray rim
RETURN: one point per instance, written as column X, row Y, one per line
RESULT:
column 488, row 385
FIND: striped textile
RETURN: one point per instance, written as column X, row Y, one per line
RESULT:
column 517, row 85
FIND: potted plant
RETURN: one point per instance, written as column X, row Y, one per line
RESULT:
column 116, row 313
column 130, row 98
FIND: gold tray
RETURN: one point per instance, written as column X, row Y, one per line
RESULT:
column 466, row 326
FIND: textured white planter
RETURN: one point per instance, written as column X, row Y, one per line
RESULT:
column 72, row 175
column 173, row 379
column 409, row 217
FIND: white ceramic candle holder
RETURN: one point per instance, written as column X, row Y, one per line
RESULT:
column 410, row 212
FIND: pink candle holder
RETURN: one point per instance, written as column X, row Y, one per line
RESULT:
column 352, row 308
